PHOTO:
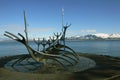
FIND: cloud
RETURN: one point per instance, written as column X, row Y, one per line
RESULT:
column 46, row 29
column 12, row 28
column 32, row 31
column 41, row 32
column 89, row 30
column 18, row 28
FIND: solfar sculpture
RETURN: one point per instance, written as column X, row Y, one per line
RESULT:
column 56, row 51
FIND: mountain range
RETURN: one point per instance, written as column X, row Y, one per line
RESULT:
column 98, row 36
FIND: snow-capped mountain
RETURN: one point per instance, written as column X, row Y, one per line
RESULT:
column 102, row 35
column 96, row 36
column 114, row 36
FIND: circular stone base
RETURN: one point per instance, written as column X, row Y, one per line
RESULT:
column 83, row 64
column 32, row 66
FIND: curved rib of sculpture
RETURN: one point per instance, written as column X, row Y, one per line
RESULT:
column 38, row 42
column 37, row 55
column 59, row 49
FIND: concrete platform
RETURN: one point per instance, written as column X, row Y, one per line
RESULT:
column 29, row 66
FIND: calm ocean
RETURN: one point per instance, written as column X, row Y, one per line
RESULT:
column 111, row 48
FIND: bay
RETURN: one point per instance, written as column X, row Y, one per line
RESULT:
column 100, row 47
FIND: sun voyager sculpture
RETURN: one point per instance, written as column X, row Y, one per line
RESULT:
column 54, row 49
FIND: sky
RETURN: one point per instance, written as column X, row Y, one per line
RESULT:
column 44, row 17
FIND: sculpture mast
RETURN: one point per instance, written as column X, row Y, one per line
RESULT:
column 63, row 27
column 62, row 18
column 26, row 31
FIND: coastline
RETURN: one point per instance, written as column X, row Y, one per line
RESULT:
column 107, row 68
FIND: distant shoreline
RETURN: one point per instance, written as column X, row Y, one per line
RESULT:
column 94, row 40
column 71, row 40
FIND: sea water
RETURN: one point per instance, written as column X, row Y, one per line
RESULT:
column 100, row 47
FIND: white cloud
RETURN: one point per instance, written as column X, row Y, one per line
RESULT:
column 12, row 28
column 20, row 29
column 32, row 31
column 88, row 31
column 47, row 29
column 41, row 32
